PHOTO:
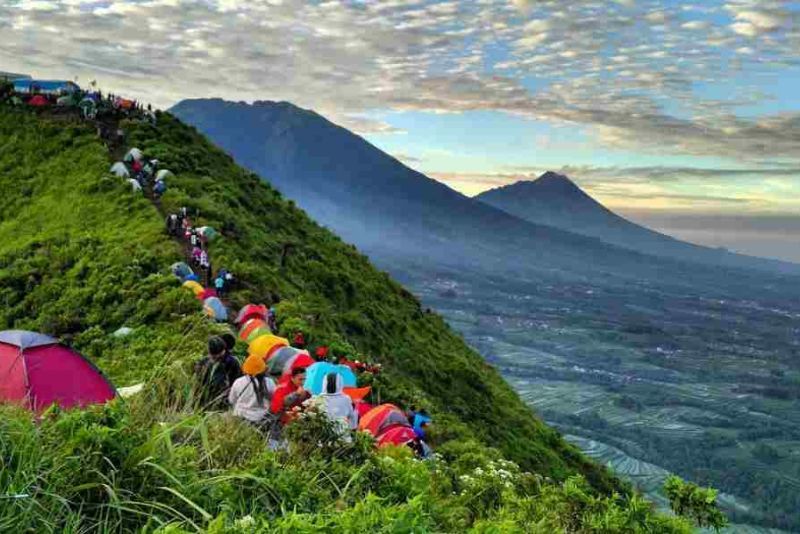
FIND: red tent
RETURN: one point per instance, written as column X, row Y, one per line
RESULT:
column 381, row 417
column 38, row 101
column 207, row 293
column 252, row 311
column 396, row 435
column 37, row 371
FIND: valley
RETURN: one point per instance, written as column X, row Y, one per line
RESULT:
column 651, row 378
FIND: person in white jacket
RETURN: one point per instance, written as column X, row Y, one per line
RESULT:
column 251, row 394
column 335, row 404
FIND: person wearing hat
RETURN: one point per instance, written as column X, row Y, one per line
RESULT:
column 251, row 394
column 217, row 371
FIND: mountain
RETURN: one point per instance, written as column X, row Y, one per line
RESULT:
column 393, row 212
column 83, row 256
column 555, row 200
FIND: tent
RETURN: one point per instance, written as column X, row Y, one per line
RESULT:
column 251, row 311
column 119, row 169
column 163, row 174
column 257, row 333
column 214, row 308
column 207, row 232
column 36, row 371
column 134, row 154
column 181, row 270
column 135, row 186
column 286, row 359
column 193, row 286
column 381, row 417
column 265, row 345
column 315, row 376
column 357, row 394
column 64, row 101
column 207, row 293
column 396, row 435
column 47, row 87
column 251, row 326
column 38, row 101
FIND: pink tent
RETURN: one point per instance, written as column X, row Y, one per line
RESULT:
column 37, row 371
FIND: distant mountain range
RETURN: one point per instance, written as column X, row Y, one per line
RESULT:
column 555, row 200
column 390, row 210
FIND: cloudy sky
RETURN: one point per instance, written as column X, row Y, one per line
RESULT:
column 681, row 115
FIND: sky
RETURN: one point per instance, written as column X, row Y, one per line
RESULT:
column 683, row 116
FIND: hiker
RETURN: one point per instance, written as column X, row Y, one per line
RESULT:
column 219, row 285
column 272, row 320
column 204, row 264
column 251, row 394
column 196, row 253
column 194, row 239
column 411, row 413
column 290, row 395
column 299, row 340
column 159, row 188
column 217, row 371
column 335, row 404
column 421, row 422
column 172, row 224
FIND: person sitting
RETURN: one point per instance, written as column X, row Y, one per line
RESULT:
column 251, row 394
column 217, row 371
column 290, row 395
column 335, row 404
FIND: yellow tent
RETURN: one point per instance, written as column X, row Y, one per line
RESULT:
column 263, row 345
column 194, row 286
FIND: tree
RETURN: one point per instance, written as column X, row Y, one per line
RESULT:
column 695, row 503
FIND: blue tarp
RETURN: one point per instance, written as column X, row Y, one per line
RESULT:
column 45, row 86
column 315, row 376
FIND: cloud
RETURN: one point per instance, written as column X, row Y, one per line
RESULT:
column 625, row 72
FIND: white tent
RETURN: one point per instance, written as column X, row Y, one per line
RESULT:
column 163, row 174
column 134, row 154
column 135, row 185
column 120, row 170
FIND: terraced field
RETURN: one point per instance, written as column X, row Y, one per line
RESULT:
column 699, row 379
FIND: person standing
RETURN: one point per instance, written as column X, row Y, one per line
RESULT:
column 217, row 371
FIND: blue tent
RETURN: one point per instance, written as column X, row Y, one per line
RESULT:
column 47, row 87
column 215, row 309
column 182, row 271
column 315, row 376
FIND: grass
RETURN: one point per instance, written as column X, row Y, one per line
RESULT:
column 81, row 256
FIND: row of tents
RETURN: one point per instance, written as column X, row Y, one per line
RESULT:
column 386, row 422
column 24, row 90
column 134, row 159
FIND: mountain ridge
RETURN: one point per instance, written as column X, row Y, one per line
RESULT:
column 389, row 210
column 555, row 200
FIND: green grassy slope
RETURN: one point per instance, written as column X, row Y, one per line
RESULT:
column 81, row 256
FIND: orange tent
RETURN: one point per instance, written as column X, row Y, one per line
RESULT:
column 381, row 417
column 357, row 394
column 265, row 345
column 250, row 326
